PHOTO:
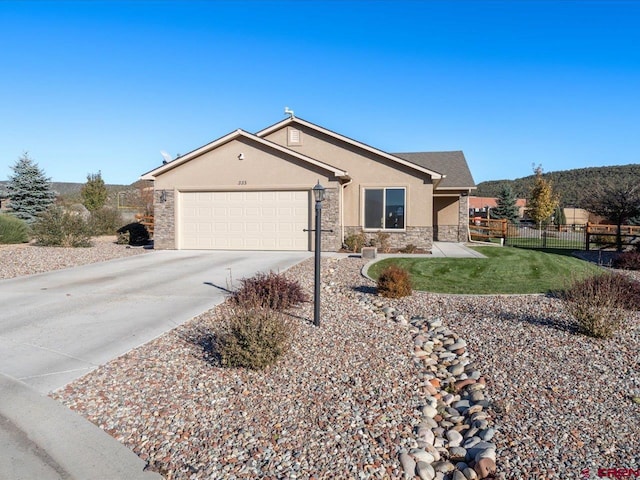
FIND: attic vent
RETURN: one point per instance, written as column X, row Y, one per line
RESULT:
column 294, row 137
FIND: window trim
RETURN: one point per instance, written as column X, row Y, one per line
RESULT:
column 384, row 207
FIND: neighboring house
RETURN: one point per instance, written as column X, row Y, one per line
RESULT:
column 479, row 206
column 249, row 191
column 578, row 216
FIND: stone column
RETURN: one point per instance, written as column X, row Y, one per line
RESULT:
column 164, row 236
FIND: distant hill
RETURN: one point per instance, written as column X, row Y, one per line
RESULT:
column 71, row 191
column 572, row 185
column 65, row 188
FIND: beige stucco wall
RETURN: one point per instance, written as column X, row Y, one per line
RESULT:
column 261, row 168
column 366, row 170
column 446, row 210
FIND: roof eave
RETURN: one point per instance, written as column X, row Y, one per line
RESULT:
column 287, row 121
column 151, row 175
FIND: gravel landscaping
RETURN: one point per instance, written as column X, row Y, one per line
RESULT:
column 381, row 389
column 27, row 259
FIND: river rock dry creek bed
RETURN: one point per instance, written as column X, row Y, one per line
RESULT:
column 429, row 384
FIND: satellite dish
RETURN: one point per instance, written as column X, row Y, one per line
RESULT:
column 166, row 156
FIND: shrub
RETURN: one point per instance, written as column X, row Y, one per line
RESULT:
column 272, row 290
column 138, row 234
column 411, row 248
column 627, row 261
column 597, row 303
column 382, row 242
column 105, row 221
column 355, row 242
column 394, row 282
column 13, row 230
column 59, row 228
column 603, row 240
column 254, row 338
column 123, row 238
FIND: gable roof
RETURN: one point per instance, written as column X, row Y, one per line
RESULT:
column 433, row 173
column 233, row 136
column 452, row 164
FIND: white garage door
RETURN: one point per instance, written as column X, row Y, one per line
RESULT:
column 244, row 220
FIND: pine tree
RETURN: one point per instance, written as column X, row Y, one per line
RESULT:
column 94, row 192
column 506, row 205
column 559, row 218
column 29, row 190
column 543, row 200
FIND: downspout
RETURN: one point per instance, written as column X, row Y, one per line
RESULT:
column 342, row 210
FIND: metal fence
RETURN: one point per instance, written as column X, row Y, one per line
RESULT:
column 575, row 237
column 572, row 237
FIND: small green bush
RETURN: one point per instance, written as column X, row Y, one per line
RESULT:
column 627, row 261
column 272, row 290
column 105, row 221
column 57, row 227
column 254, row 338
column 13, row 230
column 598, row 303
column 355, row 242
column 394, row 282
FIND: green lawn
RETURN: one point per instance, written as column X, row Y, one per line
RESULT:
column 505, row 270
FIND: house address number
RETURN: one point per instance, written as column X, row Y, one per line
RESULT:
column 242, row 182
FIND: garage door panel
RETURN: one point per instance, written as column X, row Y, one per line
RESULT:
column 253, row 220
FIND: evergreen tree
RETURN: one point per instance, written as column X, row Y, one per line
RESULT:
column 94, row 192
column 29, row 190
column 506, row 205
column 559, row 218
column 543, row 200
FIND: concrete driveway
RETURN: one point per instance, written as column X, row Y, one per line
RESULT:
column 57, row 326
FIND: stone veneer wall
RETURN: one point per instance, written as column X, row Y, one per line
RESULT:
column 463, row 218
column 421, row 237
column 164, row 235
column 447, row 233
column 331, row 241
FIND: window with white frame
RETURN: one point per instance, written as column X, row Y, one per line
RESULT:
column 384, row 208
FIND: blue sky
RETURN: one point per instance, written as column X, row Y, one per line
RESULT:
column 106, row 85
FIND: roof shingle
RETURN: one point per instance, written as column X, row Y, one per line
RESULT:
column 452, row 164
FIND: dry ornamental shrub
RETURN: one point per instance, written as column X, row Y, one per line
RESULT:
column 254, row 338
column 105, row 221
column 627, row 261
column 355, row 242
column 58, row 227
column 394, row 282
column 383, row 242
column 272, row 290
column 13, row 230
column 598, row 303
column 410, row 248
